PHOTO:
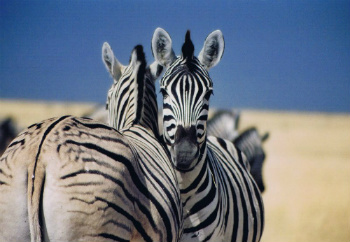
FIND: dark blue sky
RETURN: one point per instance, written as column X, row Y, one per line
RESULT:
column 279, row 55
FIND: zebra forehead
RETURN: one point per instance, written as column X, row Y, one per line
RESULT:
column 187, row 67
column 190, row 84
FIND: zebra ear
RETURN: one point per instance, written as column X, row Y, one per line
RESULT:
column 264, row 137
column 213, row 49
column 162, row 47
column 155, row 70
column 113, row 66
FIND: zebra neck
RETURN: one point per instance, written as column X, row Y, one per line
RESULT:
column 146, row 113
column 140, row 105
column 133, row 103
column 189, row 181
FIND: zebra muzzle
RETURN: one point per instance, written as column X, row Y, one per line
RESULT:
column 185, row 150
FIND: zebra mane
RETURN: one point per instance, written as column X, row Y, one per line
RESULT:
column 140, row 82
column 188, row 47
column 140, row 56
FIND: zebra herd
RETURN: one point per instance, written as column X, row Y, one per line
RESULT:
column 77, row 179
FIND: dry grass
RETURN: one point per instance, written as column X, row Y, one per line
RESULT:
column 307, row 171
column 26, row 113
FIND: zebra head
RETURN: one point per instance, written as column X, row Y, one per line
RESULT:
column 186, row 88
column 131, row 98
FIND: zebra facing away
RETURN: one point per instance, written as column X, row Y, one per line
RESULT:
column 221, row 200
column 75, row 179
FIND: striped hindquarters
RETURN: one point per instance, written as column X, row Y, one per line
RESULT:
column 15, row 163
column 104, row 189
column 90, row 186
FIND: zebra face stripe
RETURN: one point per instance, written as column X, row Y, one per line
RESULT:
column 186, row 88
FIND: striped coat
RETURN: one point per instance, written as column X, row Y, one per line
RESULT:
column 75, row 179
column 221, row 201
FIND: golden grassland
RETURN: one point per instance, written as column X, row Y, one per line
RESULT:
column 26, row 113
column 307, row 173
column 307, row 169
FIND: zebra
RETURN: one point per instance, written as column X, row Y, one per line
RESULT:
column 8, row 131
column 250, row 142
column 220, row 199
column 133, row 110
column 224, row 124
column 75, row 179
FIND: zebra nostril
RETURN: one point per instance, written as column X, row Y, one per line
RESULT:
column 185, row 150
column 188, row 133
column 184, row 154
column 180, row 133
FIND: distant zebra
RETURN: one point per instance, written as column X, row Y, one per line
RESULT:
column 250, row 142
column 221, row 201
column 8, row 131
column 224, row 124
column 74, row 179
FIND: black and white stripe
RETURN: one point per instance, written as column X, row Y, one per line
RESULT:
column 221, row 200
column 251, row 143
column 87, row 181
column 133, row 111
column 224, row 124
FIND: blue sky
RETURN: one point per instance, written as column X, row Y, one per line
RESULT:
column 279, row 55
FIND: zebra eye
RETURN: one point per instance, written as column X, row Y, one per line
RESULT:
column 106, row 106
column 164, row 93
column 208, row 94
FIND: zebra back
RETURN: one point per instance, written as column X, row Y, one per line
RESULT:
column 224, row 124
column 75, row 179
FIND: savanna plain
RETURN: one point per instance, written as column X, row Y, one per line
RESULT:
column 306, row 171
